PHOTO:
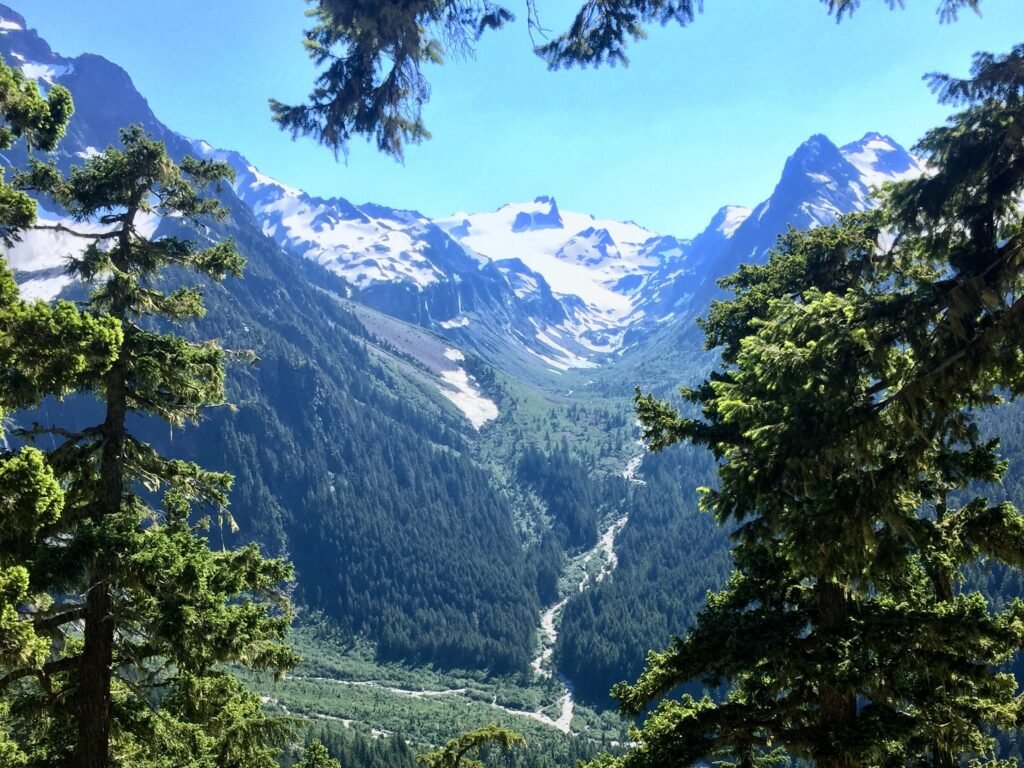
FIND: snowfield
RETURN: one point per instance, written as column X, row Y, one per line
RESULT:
column 463, row 393
column 582, row 283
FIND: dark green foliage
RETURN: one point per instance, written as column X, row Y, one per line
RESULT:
column 376, row 454
column 670, row 554
column 462, row 750
column 41, row 123
column 43, row 351
column 353, row 749
column 843, row 418
column 317, row 756
column 400, row 566
column 357, row 749
column 144, row 613
column 354, row 94
column 568, row 491
column 370, row 54
column 547, row 560
column 838, row 578
column 394, row 530
column 601, row 31
column 947, row 10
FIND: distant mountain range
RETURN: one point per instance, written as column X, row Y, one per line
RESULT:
column 567, row 288
column 408, row 364
column 564, row 287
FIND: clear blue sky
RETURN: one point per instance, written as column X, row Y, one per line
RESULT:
column 703, row 116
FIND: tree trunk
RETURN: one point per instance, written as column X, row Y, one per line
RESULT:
column 942, row 756
column 96, row 670
column 94, row 702
column 837, row 708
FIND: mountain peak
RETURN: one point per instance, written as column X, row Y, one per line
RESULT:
column 728, row 219
column 22, row 46
column 814, row 162
column 879, row 158
column 528, row 221
column 875, row 136
column 814, row 148
column 10, row 20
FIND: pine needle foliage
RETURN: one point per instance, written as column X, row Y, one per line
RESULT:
column 44, row 351
column 370, row 54
column 460, row 751
column 39, row 122
column 317, row 756
column 843, row 420
column 160, row 612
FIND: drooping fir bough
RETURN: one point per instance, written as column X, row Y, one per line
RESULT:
column 371, row 52
column 842, row 417
column 146, row 613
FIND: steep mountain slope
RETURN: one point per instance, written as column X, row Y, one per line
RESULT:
column 351, row 457
column 819, row 182
column 531, row 282
column 373, row 446
column 403, row 264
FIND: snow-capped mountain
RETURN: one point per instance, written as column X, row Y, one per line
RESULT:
column 551, row 286
column 104, row 99
column 563, row 287
column 528, row 280
column 819, row 182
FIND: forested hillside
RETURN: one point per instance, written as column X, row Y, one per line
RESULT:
column 669, row 555
column 359, row 471
column 432, row 419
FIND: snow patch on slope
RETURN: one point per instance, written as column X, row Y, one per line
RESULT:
column 879, row 159
column 47, row 73
column 732, row 217
column 463, row 393
column 364, row 244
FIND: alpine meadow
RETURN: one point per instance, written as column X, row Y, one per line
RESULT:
column 507, row 471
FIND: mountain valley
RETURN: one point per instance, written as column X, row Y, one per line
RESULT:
column 439, row 431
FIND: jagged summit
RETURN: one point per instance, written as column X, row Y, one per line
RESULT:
column 23, row 47
column 11, row 20
column 569, row 287
column 728, row 219
column 527, row 220
column 879, row 158
column 814, row 158
column 566, row 288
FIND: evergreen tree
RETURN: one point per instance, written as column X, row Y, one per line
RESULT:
column 160, row 611
column 844, row 421
column 41, row 123
column 317, row 756
column 371, row 53
column 43, row 351
column 456, row 753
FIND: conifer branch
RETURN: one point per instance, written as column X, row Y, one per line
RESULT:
column 76, row 233
column 65, row 664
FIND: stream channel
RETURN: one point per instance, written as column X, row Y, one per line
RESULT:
column 605, row 550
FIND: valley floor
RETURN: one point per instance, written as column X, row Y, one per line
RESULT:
column 341, row 683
